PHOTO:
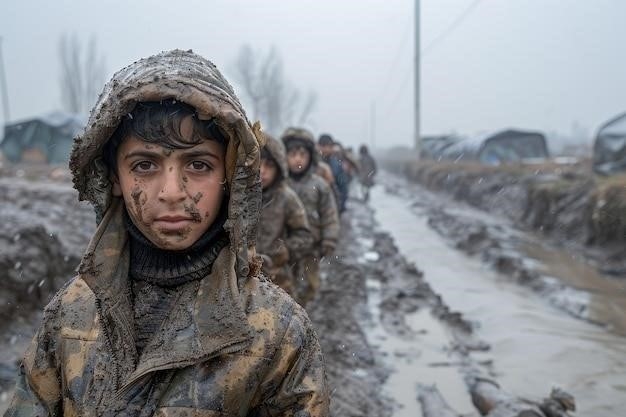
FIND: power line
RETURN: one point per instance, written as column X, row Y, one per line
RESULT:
column 456, row 23
column 437, row 40
column 398, row 54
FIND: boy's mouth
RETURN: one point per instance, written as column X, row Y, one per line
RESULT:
column 172, row 223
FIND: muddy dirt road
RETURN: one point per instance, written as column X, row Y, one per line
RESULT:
column 535, row 306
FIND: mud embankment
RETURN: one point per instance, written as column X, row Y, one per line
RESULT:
column 42, row 235
column 567, row 204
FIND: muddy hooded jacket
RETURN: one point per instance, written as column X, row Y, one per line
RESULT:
column 284, row 233
column 233, row 345
column 316, row 195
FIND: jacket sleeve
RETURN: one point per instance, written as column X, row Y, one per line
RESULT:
column 296, row 384
column 299, row 239
column 329, row 219
column 38, row 386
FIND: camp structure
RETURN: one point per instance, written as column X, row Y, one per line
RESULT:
column 609, row 148
column 504, row 146
column 432, row 147
column 44, row 139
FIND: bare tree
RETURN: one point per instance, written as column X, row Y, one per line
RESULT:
column 82, row 73
column 272, row 97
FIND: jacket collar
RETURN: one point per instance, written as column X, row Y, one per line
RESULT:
column 208, row 319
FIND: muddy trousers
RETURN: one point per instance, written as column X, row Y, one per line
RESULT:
column 308, row 279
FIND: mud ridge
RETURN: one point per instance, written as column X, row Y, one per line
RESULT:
column 567, row 204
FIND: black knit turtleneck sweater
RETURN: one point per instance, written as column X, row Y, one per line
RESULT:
column 156, row 275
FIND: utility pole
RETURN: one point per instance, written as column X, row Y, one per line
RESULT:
column 417, row 77
column 5, row 93
column 373, row 125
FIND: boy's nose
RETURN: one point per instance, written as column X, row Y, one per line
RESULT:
column 173, row 188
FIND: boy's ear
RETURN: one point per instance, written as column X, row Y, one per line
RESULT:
column 116, row 189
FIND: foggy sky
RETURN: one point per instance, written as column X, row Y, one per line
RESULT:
column 539, row 64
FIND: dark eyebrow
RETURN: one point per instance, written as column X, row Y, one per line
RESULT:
column 199, row 154
column 143, row 154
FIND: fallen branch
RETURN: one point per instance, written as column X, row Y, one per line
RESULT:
column 491, row 401
column 433, row 404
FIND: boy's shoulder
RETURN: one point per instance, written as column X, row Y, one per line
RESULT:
column 73, row 307
column 267, row 303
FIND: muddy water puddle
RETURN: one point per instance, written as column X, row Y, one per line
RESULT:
column 419, row 356
column 534, row 345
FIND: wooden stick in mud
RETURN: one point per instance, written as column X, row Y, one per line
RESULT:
column 433, row 404
column 491, row 401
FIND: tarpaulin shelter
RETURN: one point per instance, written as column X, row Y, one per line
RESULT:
column 47, row 138
column 432, row 147
column 505, row 146
column 609, row 148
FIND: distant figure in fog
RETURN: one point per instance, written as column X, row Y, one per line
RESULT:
column 284, row 236
column 328, row 150
column 367, row 171
column 318, row 201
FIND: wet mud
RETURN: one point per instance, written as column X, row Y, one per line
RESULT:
column 534, row 345
column 43, row 232
column 385, row 332
column 566, row 204
column 556, row 265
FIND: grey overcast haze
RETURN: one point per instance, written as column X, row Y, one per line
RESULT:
column 539, row 64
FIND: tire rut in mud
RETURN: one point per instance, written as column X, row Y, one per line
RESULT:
column 356, row 369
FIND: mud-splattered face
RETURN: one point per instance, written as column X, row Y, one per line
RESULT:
column 269, row 172
column 172, row 195
column 298, row 159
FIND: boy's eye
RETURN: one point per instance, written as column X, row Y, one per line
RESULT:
column 144, row 166
column 199, row 166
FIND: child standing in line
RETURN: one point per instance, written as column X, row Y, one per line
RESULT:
column 318, row 201
column 284, row 235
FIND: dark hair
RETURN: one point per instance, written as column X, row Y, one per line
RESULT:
column 159, row 122
column 325, row 139
column 292, row 143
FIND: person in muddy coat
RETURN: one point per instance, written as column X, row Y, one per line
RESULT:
column 320, row 206
column 329, row 155
column 367, row 171
column 284, row 235
column 168, row 315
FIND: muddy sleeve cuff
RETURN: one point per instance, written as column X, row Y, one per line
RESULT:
column 38, row 385
column 296, row 383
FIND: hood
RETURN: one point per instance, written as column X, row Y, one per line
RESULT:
column 186, row 77
column 277, row 151
column 306, row 137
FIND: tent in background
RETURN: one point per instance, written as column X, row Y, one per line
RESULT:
column 609, row 148
column 45, row 139
column 504, row 146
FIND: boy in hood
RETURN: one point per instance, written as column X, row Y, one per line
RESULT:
column 318, row 201
column 168, row 315
column 284, row 234
column 328, row 150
